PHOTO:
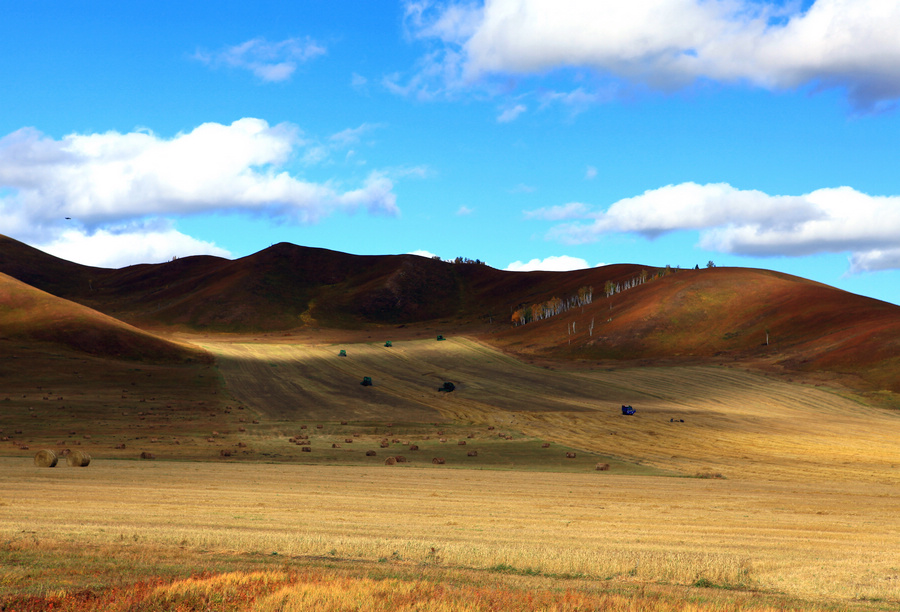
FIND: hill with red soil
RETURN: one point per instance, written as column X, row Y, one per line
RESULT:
column 31, row 316
column 762, row 318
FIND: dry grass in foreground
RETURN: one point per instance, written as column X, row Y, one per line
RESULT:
column 326, row 590
column 817, row 542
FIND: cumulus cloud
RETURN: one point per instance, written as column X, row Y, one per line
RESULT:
column 749, row 222
column 121, row 246
column 100, row 181
column 269, row 61
column 464, row 210
column 554, row 263
column 423, row 253
column 590, row 174
column 846, row 44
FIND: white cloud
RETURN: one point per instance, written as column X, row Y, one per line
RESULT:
column 554, row 263
column 848, row 44
column 464, row 210
column 511, row 114
column 104, row 180
column 749, row 222
column 123, row 246
column 523, row 188
column 270, row 61
column 590, row 174
column 422, row 253
column 875, row 260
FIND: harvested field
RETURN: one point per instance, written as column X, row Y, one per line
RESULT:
column 737, row 423
column 826, row 542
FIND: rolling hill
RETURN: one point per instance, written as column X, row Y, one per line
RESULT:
column 762, row 318
column 29, row 315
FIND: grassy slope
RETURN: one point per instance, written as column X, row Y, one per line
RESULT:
column 27, row 313
column 723, row 315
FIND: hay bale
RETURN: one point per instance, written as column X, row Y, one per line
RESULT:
column 400, row 459
column 370, row 453
column 570, row 455
column 147, row 456
column 545, row 445
column 335, row 445
column 490, row 428
column 385, row 444
column 413, row 447
column 472, row 454
column 78, row 458
column 602, row 467
column 45, row 458
column 120, row 446
column 306, row 449
column 65, row 452
column 390, row 461
column 343, row 422
column 225, row 452
column 348, row 440
column 461, row 443
column 320, row 426
column 438, row 461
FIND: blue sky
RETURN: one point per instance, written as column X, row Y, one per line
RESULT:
column 525, row 133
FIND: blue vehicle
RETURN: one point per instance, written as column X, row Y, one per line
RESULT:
column 627, row 410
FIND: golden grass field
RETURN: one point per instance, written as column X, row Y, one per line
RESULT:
column 737, row 423
column 805, row 507
column 819, row 542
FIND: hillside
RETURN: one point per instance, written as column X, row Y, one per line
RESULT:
column 722, row 315
column 33, row 316
column 762, row 318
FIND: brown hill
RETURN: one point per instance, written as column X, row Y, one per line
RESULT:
column 718, row 314
column 724, row 315
column 31, row 315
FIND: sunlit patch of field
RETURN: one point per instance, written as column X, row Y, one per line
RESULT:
column 817, row 541
column 736, row 423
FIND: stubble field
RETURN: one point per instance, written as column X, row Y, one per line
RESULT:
column 804, row 508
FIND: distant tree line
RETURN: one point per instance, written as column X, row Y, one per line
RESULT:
column 461, row 260
column 552, row 307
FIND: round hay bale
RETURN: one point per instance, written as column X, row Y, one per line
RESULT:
column 461, row 443
column 390, row 461
column 343, row 422
column 78, row 458
column 306, row 449
column 400, row 459
column 490, row 428
column 120, row 446
column 438, row 461
column 348, row 440
column 65, row 452
column 320, row 426
column 570, row 455
column 45, row 458
column 602, row 467
column 148, row 456
column 385, row 444
column 413, row 447
column 545, row 445
column 335, row 445
column 472, row 454
column 370, row 453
